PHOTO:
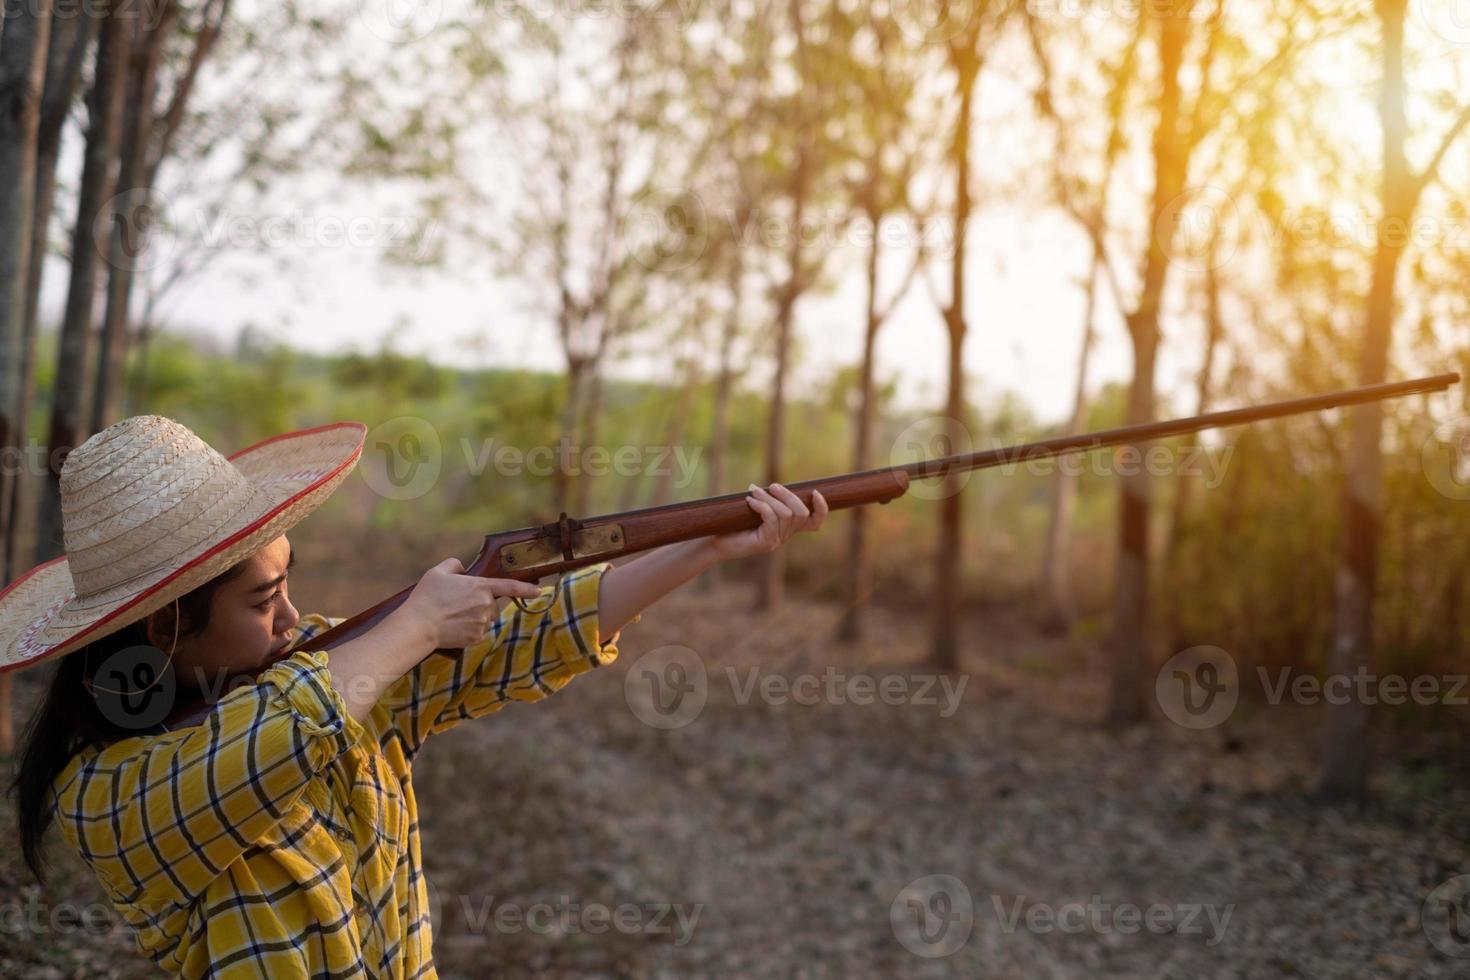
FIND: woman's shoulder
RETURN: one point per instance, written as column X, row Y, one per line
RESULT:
column 94, row 760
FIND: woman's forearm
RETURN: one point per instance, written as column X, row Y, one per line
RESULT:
column 365, row 667
column 627, row 590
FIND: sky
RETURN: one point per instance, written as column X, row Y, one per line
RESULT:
column 327, row 294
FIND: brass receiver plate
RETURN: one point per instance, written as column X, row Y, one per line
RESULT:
column 546, row 551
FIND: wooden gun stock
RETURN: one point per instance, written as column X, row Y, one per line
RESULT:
column 529, row 553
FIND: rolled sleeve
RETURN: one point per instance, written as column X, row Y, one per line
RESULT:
column 523, row 657
column 304, row 684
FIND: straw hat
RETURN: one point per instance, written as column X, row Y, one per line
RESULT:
column 150, row 512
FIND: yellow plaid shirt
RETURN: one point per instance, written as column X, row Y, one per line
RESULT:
column 279, row 837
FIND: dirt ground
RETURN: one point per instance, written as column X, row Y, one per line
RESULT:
column 999, row 835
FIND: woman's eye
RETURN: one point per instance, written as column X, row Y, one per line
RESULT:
column 266, row 604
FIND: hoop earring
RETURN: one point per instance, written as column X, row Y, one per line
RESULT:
column 92, row 687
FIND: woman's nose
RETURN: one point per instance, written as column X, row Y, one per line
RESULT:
column 289, row 617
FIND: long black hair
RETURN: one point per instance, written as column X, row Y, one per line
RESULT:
column 70, row 718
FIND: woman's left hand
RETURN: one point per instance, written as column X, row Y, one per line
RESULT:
column 782, row 515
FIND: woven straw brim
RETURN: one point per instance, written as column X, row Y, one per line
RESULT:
column 290, row 475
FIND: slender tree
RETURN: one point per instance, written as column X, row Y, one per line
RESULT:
column 23, row 44
column 98, row 183
column 885, row 87
column 1345, row 759
column 966, row 53
column 71, row 36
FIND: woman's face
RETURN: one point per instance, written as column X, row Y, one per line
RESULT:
column 250, row 621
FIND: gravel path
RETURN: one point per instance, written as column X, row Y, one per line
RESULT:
column 807, row 837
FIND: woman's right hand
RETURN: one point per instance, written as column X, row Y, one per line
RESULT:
column 455, row 609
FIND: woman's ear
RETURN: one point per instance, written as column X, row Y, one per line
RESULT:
column 159, row 627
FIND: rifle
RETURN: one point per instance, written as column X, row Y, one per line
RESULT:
column 527, row 554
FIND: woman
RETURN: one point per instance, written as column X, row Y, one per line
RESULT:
column 274, row 833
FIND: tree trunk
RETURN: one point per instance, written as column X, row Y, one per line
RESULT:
column 663, row 485
column 859, row 566
column 1345, row 759
column 1056, row 569
column 70, row 38
column 131, row 218
column 719, row 442
column 571, row 416
column 591, row 416
column 22, row 72
column 1183, row 486
column 944, row 647
column 1130, row 644
column 68, row 407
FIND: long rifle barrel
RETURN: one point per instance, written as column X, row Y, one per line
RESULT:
column 1132, row 434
